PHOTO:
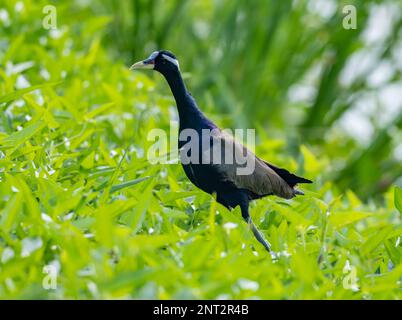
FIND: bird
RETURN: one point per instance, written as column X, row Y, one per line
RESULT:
column 222, row 180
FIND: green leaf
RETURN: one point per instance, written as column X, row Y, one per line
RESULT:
column 311, row 163
column 18, row 93
column 127, row 184
column 99, row 110
column 392, row 251
column 291, row 215
column 9, row 214
column 16, row 139
column 375, row 240
column 398, row 199
column 137, row 216
column 88, row 161
column 172, row 196
column 341, row 219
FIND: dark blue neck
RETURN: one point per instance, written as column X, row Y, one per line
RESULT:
column 189, row 114
column 178, row 89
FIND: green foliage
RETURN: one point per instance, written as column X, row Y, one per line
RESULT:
column 285, row 66
column 398, row 199
column 77, row 191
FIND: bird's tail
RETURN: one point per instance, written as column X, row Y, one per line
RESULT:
column 290, row 178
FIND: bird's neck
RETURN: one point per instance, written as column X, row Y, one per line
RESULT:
column 177, row 86
column 189, row 114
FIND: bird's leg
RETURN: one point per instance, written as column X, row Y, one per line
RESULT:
column 246, row 216
column 259, row 236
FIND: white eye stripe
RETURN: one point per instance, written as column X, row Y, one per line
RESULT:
column 172, row 60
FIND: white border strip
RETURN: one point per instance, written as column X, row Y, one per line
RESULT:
column 174, row 61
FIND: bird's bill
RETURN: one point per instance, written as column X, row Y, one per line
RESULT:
column 146, row 64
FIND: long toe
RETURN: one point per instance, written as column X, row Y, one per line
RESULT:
column 298, row 192
column 260, row 237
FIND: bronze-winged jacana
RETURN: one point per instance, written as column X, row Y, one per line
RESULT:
column 231, row 189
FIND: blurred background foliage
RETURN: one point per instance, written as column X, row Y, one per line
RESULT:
column 289, row 68
column 77, row 191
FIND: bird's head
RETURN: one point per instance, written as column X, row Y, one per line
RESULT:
column 162, row 61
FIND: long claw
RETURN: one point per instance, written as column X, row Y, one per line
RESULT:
column 298, row 192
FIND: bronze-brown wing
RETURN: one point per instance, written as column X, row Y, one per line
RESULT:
column 251, row 173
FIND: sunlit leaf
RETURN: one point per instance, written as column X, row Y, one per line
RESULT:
column 18, row 93
column 398, row 199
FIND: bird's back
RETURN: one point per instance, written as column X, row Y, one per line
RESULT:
column 229, row 173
